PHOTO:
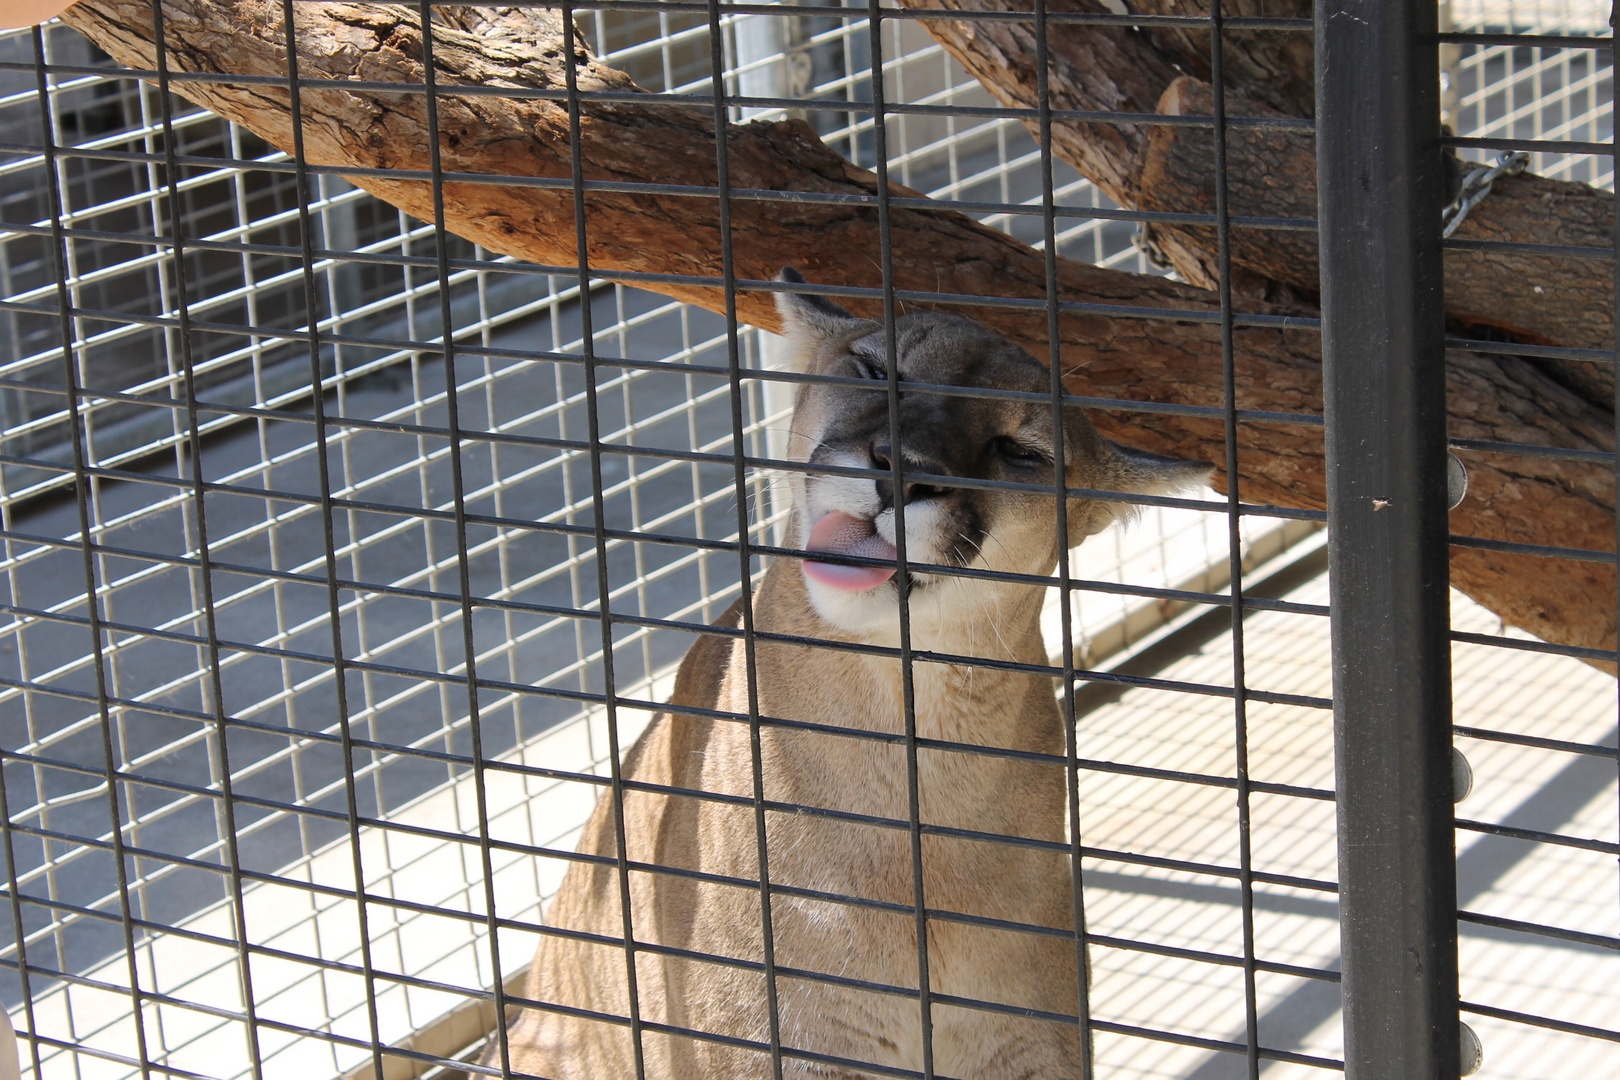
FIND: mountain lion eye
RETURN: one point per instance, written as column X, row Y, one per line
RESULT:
column 864, row 368
column 1018, row 454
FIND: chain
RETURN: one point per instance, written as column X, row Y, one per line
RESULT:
column 1142, row 240
column 1477, row 184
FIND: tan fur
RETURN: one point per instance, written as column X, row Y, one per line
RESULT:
column 720, row 913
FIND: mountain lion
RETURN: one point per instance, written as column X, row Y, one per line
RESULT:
column 839, row 854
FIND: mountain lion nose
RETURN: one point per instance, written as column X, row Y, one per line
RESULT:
column 883, row 458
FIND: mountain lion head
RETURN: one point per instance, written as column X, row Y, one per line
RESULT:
column 978, row 468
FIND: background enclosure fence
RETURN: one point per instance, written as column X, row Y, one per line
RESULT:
column 257, row 824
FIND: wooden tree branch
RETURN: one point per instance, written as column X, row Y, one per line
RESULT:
column 821, row 217
column 1534, row 298
column 1543, row 299
column 1277, row 69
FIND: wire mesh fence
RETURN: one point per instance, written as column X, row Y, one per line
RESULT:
column 306, row 692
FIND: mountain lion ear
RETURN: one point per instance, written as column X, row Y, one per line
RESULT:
column 1143, row 473
column 1109, row 466
column 809, row 322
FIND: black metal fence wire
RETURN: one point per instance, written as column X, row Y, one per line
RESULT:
column 1394, row 761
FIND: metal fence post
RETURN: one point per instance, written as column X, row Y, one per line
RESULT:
column 1384, row 391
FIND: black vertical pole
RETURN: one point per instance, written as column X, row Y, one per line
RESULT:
column 1379, row 168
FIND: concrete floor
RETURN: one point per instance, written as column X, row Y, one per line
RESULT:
column 1129, row 905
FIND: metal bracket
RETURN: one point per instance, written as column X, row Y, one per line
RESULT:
column 1472, row 1054
column 1456, row 481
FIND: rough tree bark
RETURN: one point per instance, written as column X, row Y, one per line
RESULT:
column 1115, row 354
column 1272, row 173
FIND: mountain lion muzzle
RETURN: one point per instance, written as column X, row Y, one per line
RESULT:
column 836, row 779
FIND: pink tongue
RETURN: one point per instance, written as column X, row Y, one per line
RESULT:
column 840, row 534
